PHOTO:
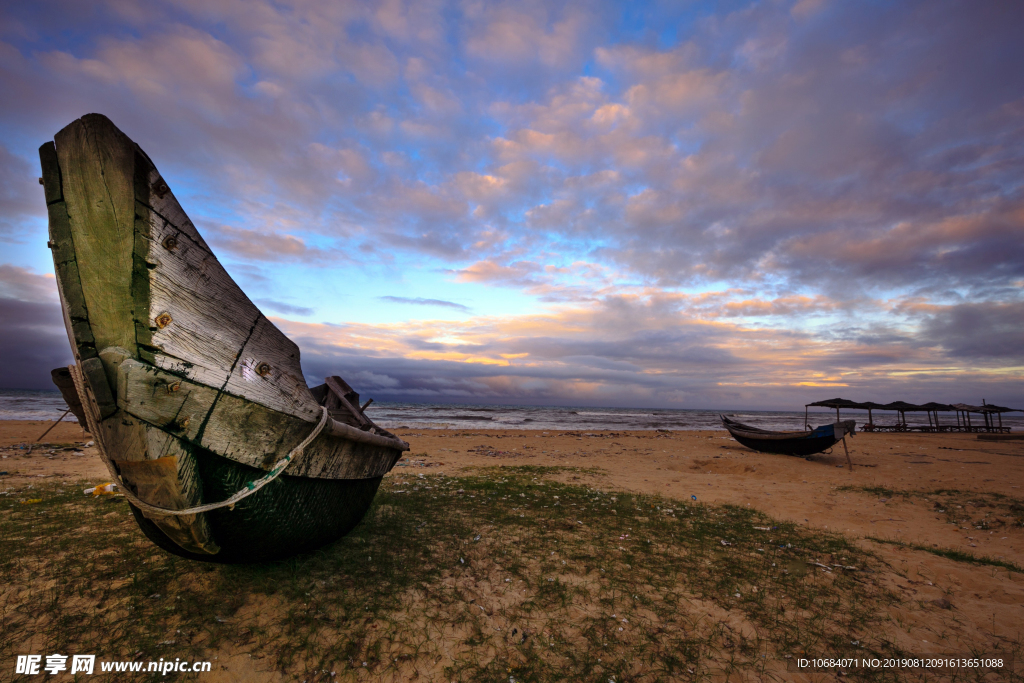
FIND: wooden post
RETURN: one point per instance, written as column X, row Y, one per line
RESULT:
column 61, row 418
column 806, row 426
column 339, row 391
column 849, row 462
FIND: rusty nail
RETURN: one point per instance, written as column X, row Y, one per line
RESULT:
column 263, row 369
column 174, row 387
column 183, row 423
column 170, row 242
column 51, row 244
column 40, row 181
column 163, row 320
column 160, row 188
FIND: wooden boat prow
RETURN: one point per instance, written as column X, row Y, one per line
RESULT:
column 189, row 390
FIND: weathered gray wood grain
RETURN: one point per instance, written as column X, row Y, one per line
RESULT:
column 217, row 336
column 247, row 432
column 340, row 393
column 97, row 166
column 69, row 285
column 51, row 173
column 270, row 374
column 208, row 320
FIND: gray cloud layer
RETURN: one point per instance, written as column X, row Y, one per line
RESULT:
column 841, row 180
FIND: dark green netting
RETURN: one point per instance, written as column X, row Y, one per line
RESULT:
column 288, row 516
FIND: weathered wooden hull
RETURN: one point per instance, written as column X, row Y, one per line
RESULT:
column 800, row 444
column 187, row 388
column 801, row 447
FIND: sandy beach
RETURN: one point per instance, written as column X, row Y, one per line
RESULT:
column 898, row 490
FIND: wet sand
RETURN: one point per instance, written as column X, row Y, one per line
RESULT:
column 986, row 603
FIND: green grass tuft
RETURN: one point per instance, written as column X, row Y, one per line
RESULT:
column 952, row 554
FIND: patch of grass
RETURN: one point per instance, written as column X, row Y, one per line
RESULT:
column 541, row 470
column 503, row 574
column 879, row 491
column 953, row 554
column 963, row 508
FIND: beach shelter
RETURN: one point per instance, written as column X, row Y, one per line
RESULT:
column 836, row 403
column 933, row 407
column 990, row 413
column 902, row 407
column 869, row 406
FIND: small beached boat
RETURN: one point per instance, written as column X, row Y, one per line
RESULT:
column 196, row 401
column 789, row 443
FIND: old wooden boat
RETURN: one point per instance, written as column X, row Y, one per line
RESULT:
column 196, row 401
column 799, row 443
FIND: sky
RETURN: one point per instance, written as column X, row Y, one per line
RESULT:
column 642, row 204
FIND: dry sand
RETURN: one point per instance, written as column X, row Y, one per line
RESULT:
column 987, row 602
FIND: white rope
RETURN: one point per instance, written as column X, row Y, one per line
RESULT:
column 249, row 489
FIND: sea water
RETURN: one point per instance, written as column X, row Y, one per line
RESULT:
column 48, row 405
column 16, row 404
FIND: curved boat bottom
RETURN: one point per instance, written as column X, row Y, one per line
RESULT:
column 290, row 515
column 798, row 447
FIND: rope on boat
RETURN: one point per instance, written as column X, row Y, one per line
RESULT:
column 249, row 488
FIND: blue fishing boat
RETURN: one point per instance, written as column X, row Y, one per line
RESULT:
column 798, row 443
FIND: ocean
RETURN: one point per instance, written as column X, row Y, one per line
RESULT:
column 48, row 405
column 16, row 404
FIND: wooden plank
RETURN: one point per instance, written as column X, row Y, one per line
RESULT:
column 119, row 436
column 141, row 264
column 269, row 373
column 92, row 369
column 340, row 391
column 97, row 167
column 245, row 432
column 216, row 335
column 198, row 317
column 51, row 173
column 69, row 285
column 168, row 478
column 160, row 199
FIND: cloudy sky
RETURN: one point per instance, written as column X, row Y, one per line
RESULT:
column 674, row 204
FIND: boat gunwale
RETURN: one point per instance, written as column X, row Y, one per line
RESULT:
column 749, row 432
